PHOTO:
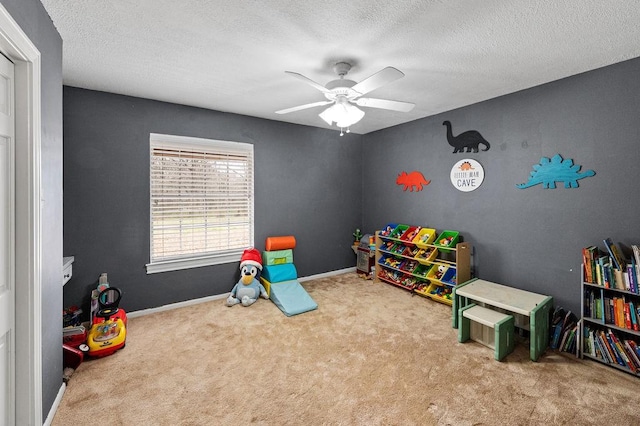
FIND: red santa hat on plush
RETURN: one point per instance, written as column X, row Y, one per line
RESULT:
column 251, row 256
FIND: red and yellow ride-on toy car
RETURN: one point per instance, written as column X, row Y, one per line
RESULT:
column 109, row 330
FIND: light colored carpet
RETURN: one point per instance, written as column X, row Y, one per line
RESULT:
column 372, row 354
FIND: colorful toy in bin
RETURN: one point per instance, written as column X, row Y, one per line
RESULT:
column 446, row 239
column 109, row 330
column 442, row 292
column 450, row 276
column 410, row 233
column 425, row 237
column 422, row 287
column 411, row 251
column 408, row 282
column 422, row 270
column 386, row 232
column 398, row 231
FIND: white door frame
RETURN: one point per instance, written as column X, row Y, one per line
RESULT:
column 15, row 44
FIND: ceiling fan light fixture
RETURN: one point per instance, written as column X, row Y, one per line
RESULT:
column 344, row 94
column 343, row 113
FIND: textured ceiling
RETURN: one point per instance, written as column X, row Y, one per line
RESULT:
column 231, row 55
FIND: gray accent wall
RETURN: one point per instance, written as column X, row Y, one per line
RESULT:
column 307, row 184
column 34, row 21
column 318, row 186
column 526, row 238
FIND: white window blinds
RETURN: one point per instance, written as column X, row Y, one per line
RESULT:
column 201, row 198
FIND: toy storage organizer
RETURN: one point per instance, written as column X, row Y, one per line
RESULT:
column 422, row 260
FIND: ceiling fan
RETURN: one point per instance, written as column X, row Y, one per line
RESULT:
column 345, row 94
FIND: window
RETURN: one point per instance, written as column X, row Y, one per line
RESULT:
column 201, row 202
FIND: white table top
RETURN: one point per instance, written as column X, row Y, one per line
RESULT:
column 501, row 296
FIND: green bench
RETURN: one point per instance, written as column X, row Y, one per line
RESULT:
column 488, row 327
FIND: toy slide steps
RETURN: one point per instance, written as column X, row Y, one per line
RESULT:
column 292, row 298
column 280, row 278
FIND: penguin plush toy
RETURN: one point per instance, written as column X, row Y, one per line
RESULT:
column 248, row 288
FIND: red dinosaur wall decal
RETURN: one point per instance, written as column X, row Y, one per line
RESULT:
column 412, row 180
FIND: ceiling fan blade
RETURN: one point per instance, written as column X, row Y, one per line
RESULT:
column 378, row 79
column 309, row 81
column 301, row 107
column 385, row 104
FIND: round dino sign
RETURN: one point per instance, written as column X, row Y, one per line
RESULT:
column 467, row 175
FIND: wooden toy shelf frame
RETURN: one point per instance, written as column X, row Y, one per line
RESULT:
column 461, row 254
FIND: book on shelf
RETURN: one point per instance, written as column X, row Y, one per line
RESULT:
column 555, row 336
column 631, row 277
column 619, row 307
column 592, row 304
column 610, row 348
column 605, row 349
column 625, row 280
column 619, row 346
column 616, row 256
column 588, row 300
column 636, row 254
column 633, row 313
column 569, row 339
column 635, row 350
column 618, row 280
column 633, row 356
column 603, row 269
column 564, row 326
column 627, row 315
column 557, row 321
column 587, row 262
column 569, row 319
column 608, row 310
column 615, row 355
column 593, row 253
column 592, row 347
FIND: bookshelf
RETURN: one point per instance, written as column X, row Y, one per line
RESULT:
column 609, row 326
column 422, row 260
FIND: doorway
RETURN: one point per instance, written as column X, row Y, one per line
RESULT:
column 25, row 406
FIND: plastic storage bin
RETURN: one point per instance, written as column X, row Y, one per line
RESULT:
column 437, row 272
column 446, row 239
column 398, row 231
column 409, row 265
column 424, row 237
column 449, row 277
column 410, row 251
column 440, row 293
column 387, row 230
column 410, row 234
column 426, row 256
column 422, row 270
column 390, row 262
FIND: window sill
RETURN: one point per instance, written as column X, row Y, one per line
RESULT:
column 192, row 262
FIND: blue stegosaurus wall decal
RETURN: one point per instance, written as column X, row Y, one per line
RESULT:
column 550, row 171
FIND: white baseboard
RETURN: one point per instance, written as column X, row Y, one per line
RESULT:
column 192, row 302
column 327, row 274
column 56, row 404
column 171, row 306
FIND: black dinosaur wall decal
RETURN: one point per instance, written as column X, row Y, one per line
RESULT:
column 471, row 139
